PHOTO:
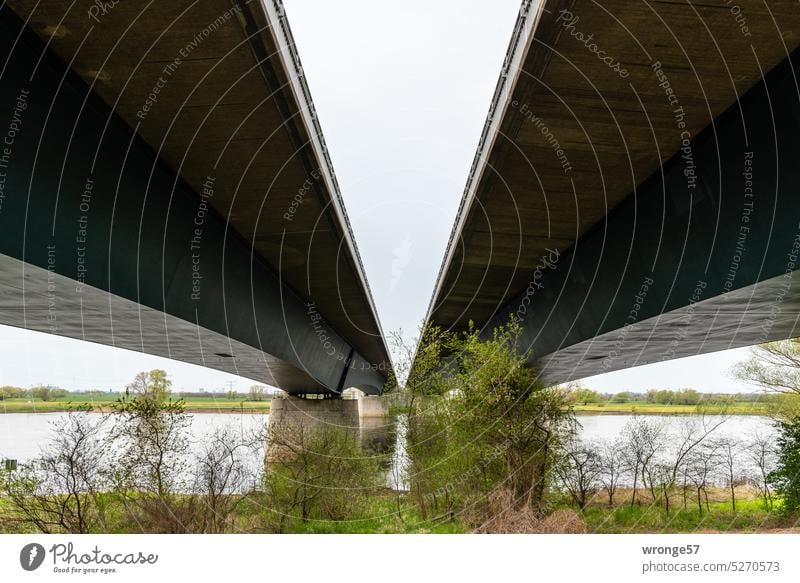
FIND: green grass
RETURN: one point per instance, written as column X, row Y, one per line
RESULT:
column 378, row 515
column 105, row 401
column 750, row 516
column 739, row 408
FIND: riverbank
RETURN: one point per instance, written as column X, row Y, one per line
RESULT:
column 715, row 513
column 193, row 405
column 215, row 405
column 638, row 408
column 393, row 513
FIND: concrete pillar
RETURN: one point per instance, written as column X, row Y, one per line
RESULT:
column 293, row 416
column 371, row 407
column 315, row 412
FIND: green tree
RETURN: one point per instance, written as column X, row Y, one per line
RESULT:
column 421, row 384
column 660, row 396
column 154, row 385
column 257, row 392
column 481, row 425
column 687, row 397
column 56, row 394
column 584, row 396
column 47, row 393
column 151, row 469
column 786, row 476
column 9, row 392
column 502, row 397
column 774, row 366
column 315, row 472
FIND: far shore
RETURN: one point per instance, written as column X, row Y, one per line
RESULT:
column 210, row 405
column 200, row 406
column 639, row 408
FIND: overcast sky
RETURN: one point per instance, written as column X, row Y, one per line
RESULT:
column 402, row 90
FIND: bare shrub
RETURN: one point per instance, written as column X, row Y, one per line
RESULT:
column 579, row 470
column 642, row 440
column 151, row 472
column 612, row 463
column 223, row 479
column 701, row 466
column 761, row 451
column 509, row 518
column 730, row 457
column 134, row 470
column 62, row 490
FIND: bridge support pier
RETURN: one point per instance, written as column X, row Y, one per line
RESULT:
column 292, row 419
column 314, row 412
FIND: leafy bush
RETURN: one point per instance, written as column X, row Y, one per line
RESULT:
column 479, row 421
column 315, row 472
column 786, row 477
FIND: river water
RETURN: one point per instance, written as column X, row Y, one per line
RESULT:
column 24, row 435
column 608, row 427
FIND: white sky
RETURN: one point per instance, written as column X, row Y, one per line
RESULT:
column 402, row 90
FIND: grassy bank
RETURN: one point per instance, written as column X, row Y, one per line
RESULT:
column 106, row 401
column 378, row 514
column 638, row 408
column 222, row 405
column 751, row 514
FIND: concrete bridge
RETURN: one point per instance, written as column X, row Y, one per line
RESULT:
column 636, row 193
column 165, row 187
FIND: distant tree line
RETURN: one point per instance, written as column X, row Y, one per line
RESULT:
column 42, row 393
column 254, row 393
column 580, row 395
column 51, row 393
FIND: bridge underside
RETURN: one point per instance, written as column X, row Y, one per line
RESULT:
column 625, row 220
column 678, row 270
column 187, row 211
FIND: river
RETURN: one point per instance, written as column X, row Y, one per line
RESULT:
column 24, row 435
column 608, row 427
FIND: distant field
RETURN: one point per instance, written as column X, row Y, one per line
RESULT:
column 104, row 402
column 740, row 408
column 221, row 404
